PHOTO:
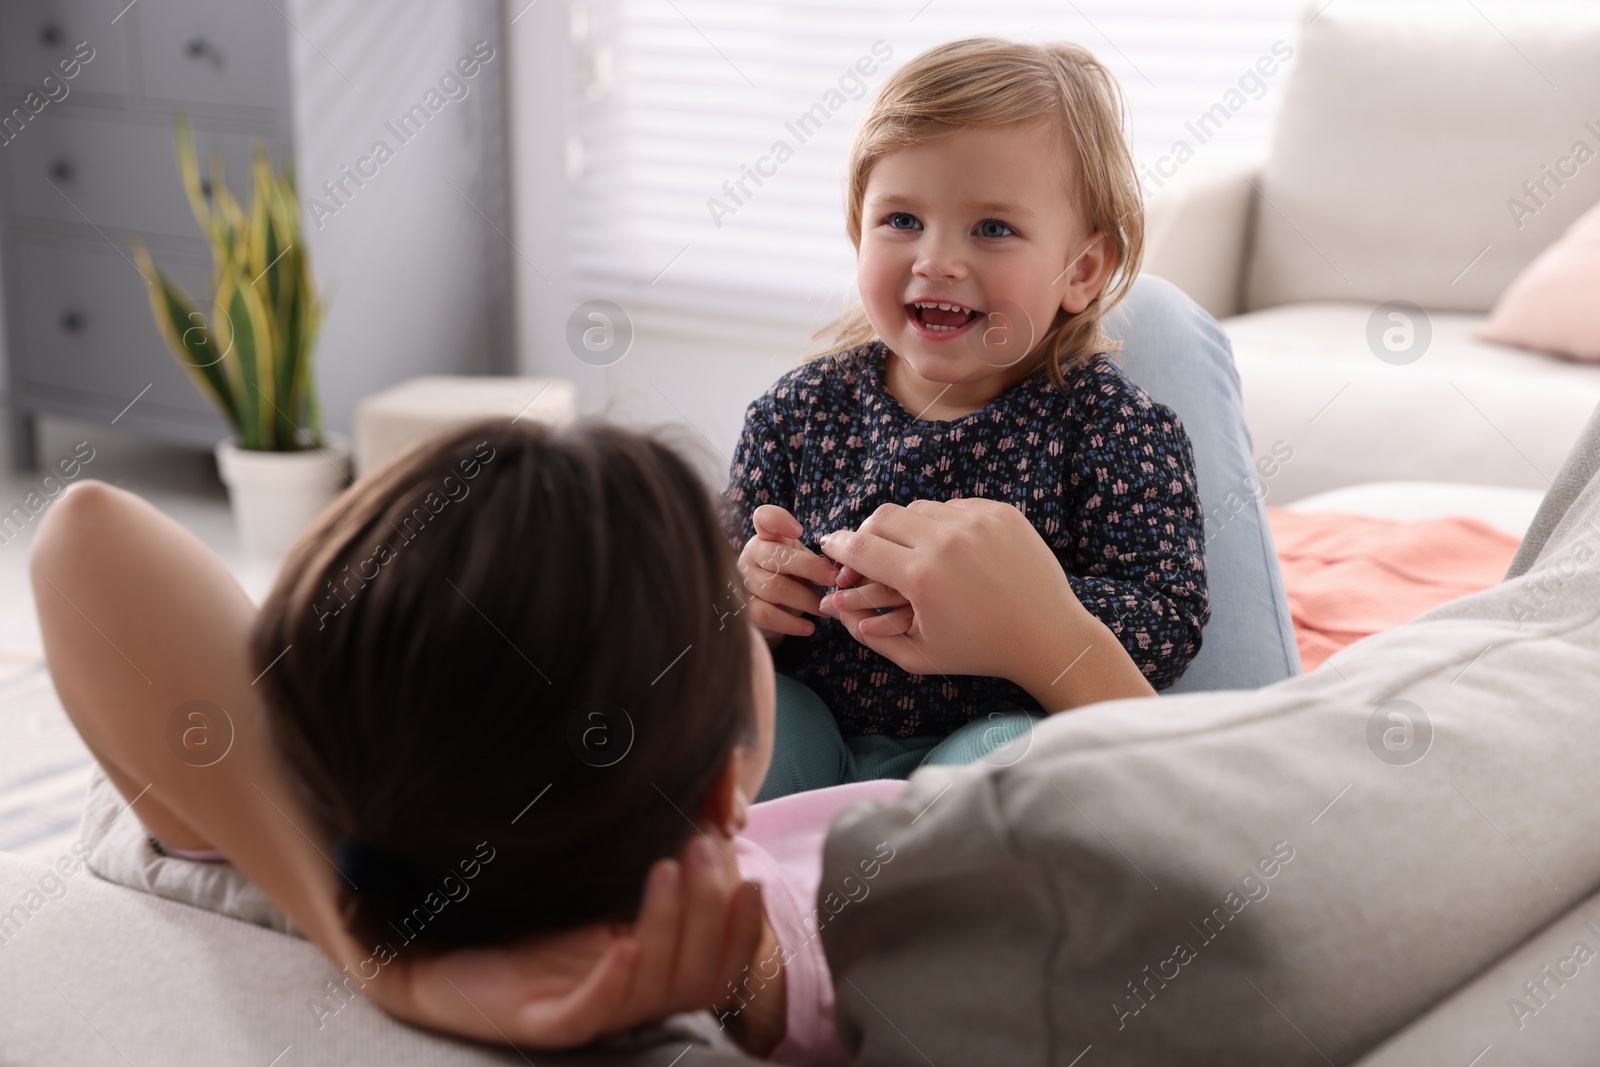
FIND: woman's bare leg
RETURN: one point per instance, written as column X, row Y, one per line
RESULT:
column 144, row 627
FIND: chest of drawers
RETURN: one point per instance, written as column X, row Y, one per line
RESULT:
column 409, row 250
column 88, row 90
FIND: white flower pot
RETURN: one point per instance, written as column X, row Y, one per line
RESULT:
column 275, row 495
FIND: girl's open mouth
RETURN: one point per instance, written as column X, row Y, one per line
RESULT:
column 939, row 319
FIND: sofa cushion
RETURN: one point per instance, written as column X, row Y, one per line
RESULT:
column 1463, row 411
column 1401, row 151
column 1283, row 876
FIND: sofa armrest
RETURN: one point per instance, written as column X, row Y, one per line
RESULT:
column 1196, row 231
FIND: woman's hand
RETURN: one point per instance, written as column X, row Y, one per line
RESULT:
column 776, row 569
column 983, row 594
column 698, row 927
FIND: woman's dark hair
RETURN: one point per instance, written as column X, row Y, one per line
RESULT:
column 510, row 680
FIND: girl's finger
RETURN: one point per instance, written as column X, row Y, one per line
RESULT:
column 800, row 562
column 848, row 576
column 785, row 592
column 868, row 597
column 771, row 619
column 788, row 558
column 772, row 521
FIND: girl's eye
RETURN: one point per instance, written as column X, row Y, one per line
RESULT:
column 903, row 220
column 993, row 228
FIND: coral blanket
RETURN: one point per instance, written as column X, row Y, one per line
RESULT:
column 1348, row 576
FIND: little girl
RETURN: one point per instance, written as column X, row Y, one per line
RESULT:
column 995, row 210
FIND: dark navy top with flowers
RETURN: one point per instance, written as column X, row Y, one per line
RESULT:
column 1104, row 473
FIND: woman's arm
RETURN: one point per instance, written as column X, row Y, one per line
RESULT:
column 139, row 618
column 988, row 597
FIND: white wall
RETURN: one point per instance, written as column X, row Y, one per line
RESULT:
column 416, row 280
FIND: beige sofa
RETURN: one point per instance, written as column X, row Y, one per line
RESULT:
column 1403, row 146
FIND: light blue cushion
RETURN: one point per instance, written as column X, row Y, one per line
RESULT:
column 1178, row 354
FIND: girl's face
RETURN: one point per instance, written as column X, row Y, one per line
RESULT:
column 982, row 222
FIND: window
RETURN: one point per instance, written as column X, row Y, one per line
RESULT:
column 708, row 148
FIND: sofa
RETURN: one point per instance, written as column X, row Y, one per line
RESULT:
column 1418, row 159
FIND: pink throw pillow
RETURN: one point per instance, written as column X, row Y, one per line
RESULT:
column 1554, row 304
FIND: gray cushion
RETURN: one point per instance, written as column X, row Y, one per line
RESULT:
column 1098, row 891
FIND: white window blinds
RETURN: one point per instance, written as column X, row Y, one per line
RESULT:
column 707, row 156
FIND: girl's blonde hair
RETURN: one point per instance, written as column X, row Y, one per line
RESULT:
column 989, row 81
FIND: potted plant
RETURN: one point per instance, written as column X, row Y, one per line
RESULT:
column 251, row 356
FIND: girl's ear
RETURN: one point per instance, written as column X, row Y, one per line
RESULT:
column 1086, row 275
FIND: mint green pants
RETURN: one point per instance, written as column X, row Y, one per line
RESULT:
column 808, row 751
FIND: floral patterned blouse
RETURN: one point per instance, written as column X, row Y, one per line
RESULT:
column 1104, row 473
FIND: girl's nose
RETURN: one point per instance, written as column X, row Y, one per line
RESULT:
column 939, row 259
column 940, row 256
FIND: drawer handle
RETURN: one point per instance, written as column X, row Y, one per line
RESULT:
column 73, row 321
column 62, row 170
column 50, row 35
column 198, row 48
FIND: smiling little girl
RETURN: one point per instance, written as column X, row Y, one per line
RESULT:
column 996, row 215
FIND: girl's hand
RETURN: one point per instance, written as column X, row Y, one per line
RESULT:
column 985, row 595
column 782, row 574
column 887, row 611
column 698, row 927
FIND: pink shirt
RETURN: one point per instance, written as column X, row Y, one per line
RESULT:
column 781, row 850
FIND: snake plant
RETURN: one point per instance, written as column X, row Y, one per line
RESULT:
column 251, row 355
